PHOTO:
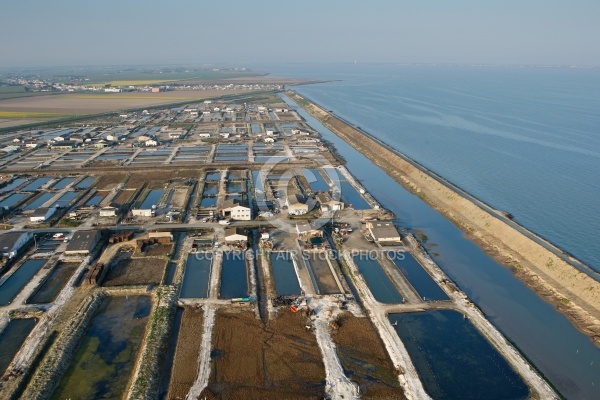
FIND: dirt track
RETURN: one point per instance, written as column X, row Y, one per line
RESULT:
column 573, row 292
column 252, row 361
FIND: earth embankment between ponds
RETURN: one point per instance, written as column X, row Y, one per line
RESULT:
column 573, row 292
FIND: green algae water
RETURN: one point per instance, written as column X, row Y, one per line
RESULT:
column 104, row 360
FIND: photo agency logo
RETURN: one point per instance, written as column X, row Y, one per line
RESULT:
column 333, row 254
column 281, row 193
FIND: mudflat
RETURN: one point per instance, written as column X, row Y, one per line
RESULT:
column 251, row 360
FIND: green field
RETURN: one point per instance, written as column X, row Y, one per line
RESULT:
column 13, row 91
column 28, row 115
column 149, row 76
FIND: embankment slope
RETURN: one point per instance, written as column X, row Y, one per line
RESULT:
column 573, row 292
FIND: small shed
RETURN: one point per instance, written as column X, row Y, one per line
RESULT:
column 83, row 242
column 42, row 214
column 384, row 233
column 235, row 235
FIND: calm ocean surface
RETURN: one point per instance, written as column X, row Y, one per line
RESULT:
column 564, row 355
column 524, row 140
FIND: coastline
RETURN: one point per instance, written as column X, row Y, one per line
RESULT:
column 573, row 292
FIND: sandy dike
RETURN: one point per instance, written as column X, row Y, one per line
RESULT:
column 574, row 293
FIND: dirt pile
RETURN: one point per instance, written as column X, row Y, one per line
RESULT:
column 251, row 360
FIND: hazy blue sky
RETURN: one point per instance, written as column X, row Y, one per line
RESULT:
column 78, row 32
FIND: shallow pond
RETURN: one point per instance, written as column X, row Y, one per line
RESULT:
column 454, row 360
column 379, row 283
column 196, row 278
column 286, row 281
column 423, row 283
column 11, row 339
column 104, row 360
column 234, row 279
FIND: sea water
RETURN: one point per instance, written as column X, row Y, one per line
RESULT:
column 524, row 140
column 564, row 355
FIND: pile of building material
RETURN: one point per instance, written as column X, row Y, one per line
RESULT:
column 120, row 237
column 93, row 275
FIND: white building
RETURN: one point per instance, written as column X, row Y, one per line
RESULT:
column 151, row 143
column 12, row 242
column 10, row 149
column 296, row 205
column 115, row 137
column 42, row 214
column 233, row 210
column 308, row 229
column 108, row 211
column 82, row 243
column 233, row 234
column 384, row 232
column 328, row 203
column 143, row 212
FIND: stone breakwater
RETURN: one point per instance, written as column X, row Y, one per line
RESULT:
column 56, row 362
column 573, row 292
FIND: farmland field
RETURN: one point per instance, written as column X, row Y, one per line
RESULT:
column 93, row 103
